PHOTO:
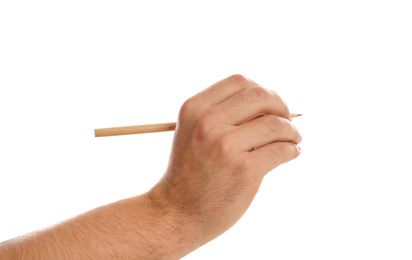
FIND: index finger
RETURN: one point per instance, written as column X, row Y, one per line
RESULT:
column 251, row 103
column 224, row 89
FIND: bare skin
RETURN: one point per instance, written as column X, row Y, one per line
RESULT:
column 228, row 137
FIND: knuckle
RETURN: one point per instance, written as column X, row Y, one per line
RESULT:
column 259, row 92
column 269, row 124
column 274, row 154
column 293, row 152
column 254, row 94
column 277, row 102
column 292, row 132
column 187, row 107
column 284, row 152
column 298, row 136
column 243, row 164
column 239, row 79
column 289, row 132
column 285, row 108
column 273, row 122
column 204, row 126
column 225, row 145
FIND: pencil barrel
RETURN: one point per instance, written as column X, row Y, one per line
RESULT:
column 138, row 129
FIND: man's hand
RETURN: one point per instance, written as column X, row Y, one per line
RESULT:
column 227, row 139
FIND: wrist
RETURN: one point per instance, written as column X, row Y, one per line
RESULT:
column 180, row 232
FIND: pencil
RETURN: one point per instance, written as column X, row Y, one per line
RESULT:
column 140, row 129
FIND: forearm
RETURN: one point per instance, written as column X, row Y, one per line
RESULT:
column 134, row 228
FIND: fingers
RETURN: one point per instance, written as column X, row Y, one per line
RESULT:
column 201, row 103
column 264, row 130
column 272, row 155
column 236, row 100
column 250, row 103
column 223, row 89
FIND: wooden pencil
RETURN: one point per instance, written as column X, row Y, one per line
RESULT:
column 140, row 129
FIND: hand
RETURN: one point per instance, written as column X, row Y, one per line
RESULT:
column 228, row 137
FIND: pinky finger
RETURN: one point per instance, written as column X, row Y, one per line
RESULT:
column 274, row 154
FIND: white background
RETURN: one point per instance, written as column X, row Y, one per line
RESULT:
column 67, row 67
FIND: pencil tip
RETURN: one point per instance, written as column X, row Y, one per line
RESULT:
column 299, row 115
